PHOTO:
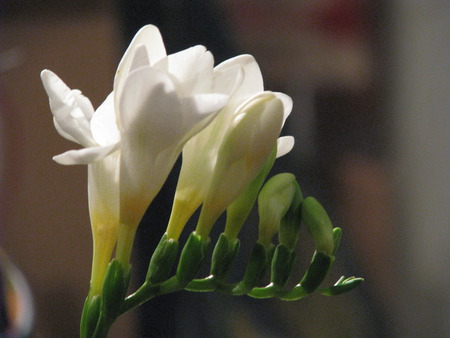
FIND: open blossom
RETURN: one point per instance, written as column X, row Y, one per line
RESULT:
column 201, row 153
column 75, row 119
column 161, row 102
column 132, row 140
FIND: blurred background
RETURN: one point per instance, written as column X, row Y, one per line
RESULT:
column 370, row 84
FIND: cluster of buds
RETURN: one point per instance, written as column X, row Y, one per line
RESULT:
column 227, row 128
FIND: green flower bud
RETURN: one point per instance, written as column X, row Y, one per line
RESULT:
column 274, row 201
column 224, row 254
column 162, row 260
column 317, row 271
column 290, row 223
column 282, row 263
column 192, row 257
column 319, row 225
column 90, row 316
column 114, row 289
column 260, row 258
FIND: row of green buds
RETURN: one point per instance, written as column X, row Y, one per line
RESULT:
column 326, row 241
column 282, row 210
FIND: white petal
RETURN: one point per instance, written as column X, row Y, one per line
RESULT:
column 192, row 70
column 200, row 110
column 228, row 79
column 62, row 132
column 140, row 57
column 287, row 104
column 284, row 145
column 151, row 38
column 85, row 155
column 252, row 78
column 252, row 101
column 103, row 124
column 68, row 115
column 103, row 191
column 82, row 114
column 84, row 103
column 149, row 109
column 255, row 130
column 56, row 89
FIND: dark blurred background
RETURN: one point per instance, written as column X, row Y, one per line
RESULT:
column 370, row 82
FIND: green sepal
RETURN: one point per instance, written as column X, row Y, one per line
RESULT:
column 191, row 259
column 90, row 316
column 223, row 256
column 341, row 286
column 318, row 269
column 162, row 260
column 260, row 258
column 337, row 235
column 115, row 289
column 282, row 262
column 265, row 292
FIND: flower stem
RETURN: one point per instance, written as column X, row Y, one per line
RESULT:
column 149, row 291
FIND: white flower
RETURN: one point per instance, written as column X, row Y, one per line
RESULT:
column 161, row 102
column 240, row 77
column 158, row 103
column 75, row 119
column 246, row 147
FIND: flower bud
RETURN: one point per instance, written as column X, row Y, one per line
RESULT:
column 192, row 257
column 274, row 201
column 223, row 257
column 290, row 223
column 319, row 225
column 245, row 149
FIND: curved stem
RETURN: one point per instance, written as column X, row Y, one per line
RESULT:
column 148, row 291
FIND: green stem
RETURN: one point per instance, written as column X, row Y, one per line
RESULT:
column 149, row 291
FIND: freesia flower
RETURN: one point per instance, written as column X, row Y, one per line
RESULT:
column 240, row 77
column 162, row 103
column 133, row 139
column 75, row 119
column 244, row 151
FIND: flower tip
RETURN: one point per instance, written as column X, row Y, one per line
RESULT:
column 284, row 145
column 146, row 28
column 46, row 75
column 60, row 159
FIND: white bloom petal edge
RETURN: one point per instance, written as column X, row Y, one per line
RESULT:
column 85, row 155
column 284, row 145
